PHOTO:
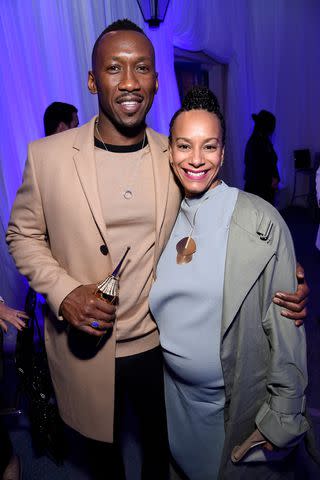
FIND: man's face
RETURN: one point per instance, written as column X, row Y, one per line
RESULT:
column 66, row 126
column 75, row 120
column 124, row 77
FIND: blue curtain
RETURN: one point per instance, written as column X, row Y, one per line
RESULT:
column 271, row 49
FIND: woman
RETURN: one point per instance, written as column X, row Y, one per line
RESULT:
column 9, row 463
column 231, row 364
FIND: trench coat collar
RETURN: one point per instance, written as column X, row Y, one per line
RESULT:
column 248, row 252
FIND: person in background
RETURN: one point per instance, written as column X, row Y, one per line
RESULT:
column 87, row 194
column 9, row 463
column 235, row 372
column 318, row 202
column 58, row 117
column 261, row 171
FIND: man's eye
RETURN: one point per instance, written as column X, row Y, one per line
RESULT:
column 143, row 68
column 113, row 68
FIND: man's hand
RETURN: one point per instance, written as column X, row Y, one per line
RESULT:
column 81, row 308
column 295, row 303
column 10, row 315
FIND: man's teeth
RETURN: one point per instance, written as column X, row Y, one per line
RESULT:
column 196, row 174
column 130, row 103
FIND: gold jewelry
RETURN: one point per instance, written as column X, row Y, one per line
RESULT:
column 105, row 146
column 186, row 247
column 128, row 193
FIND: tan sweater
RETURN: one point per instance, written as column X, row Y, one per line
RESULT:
column 130, row 222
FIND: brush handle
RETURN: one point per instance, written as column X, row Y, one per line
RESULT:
column 117, row 269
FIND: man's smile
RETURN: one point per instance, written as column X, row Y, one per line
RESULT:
column 130, row 103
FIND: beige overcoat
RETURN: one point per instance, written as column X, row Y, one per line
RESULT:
column 55, row 233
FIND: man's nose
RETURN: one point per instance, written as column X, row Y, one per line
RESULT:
column 129, row 81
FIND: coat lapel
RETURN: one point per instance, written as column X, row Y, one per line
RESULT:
column 248, row 253
column 161, row 171
column 86, row 168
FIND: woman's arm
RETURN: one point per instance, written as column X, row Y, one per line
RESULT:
column 281, row 418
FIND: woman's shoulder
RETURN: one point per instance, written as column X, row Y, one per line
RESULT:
column 252, row 202
column 254, row 213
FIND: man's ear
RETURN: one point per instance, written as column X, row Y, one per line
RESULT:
column 170, row 155
column 157, row 83
column 92, row 83
column 62, row 127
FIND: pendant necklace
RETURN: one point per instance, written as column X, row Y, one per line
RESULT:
column 128, row 192
column 186, row 247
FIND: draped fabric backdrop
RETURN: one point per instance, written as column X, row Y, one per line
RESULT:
column 271, row 50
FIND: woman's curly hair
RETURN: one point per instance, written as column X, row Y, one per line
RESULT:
column 200, row 98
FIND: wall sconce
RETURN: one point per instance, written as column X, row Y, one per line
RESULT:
column 153, row 11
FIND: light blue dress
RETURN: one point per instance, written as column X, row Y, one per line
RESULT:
column 186, row 301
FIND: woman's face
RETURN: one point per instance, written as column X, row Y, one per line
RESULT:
column 196, row 150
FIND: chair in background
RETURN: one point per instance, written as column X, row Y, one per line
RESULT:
column 303, row 177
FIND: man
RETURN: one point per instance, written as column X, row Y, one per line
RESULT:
column 86, row 196
column 261, row 172
column 60, row 116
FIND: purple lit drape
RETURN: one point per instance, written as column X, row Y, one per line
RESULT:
column 271, row 48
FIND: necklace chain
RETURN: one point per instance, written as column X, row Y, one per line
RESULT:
column 128, row 192
column 105, row 146
column 192, row 225
column 186, row 247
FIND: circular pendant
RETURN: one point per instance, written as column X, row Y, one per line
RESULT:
column 181, row 259
column 186, row 246
column 128, row 194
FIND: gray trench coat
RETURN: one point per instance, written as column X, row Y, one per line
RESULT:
column 263, row 354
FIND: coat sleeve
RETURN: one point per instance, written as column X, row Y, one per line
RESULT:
column 28, row 243
column 281, row 418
